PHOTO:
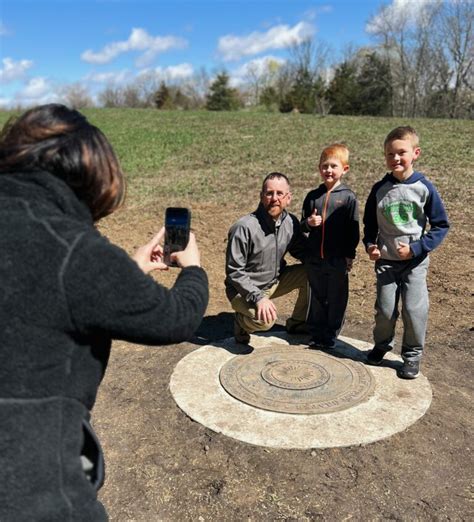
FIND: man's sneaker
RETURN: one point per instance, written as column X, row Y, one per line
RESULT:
column 409, row 370
column 241, row 336
column 375, row 356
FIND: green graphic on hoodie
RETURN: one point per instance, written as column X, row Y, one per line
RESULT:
column 400, row 212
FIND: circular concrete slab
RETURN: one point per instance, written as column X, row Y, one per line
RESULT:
column 390, row 405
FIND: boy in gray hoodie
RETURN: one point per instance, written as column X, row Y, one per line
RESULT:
column 396, row 214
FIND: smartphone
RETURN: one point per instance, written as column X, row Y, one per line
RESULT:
column 177, row 226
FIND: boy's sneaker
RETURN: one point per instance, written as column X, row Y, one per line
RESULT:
column 316, row 345
column 321, row 345
column 375, row 356
column 240, row 335
column 409, row 370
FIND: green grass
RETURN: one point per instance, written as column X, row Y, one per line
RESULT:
column 209, row 156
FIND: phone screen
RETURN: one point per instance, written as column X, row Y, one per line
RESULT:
column 177, row 225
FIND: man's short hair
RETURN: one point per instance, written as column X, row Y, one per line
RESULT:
column 403, row 133
column 275, row 175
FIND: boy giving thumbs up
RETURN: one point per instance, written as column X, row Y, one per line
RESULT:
column 330, row 218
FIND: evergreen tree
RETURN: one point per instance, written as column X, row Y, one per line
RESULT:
column 343, row 92
column 304, row 94
column 163, row 99
column 269, row 98
column 222, row 97
column 375, row 91
column 180, row 100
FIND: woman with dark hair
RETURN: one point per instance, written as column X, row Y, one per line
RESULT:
column 65, row 293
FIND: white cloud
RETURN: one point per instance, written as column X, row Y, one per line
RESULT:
column 397, row 13
column 179, row 72
column 112, row 77
column 139, row 40
column 36, row 88
column 312, row 14
column 235, row 47
column 14, row 70
column 171, row 73
column 37, row 91
column 256, row 67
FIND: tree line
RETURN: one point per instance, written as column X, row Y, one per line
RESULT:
column 417, row 67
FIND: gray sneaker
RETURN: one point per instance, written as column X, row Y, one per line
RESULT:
column 409, row 370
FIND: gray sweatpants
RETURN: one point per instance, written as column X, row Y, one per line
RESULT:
column 405, row 279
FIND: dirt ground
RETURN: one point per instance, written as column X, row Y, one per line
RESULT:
column 161, row 465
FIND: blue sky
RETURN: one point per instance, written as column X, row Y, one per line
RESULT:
column 46, row 44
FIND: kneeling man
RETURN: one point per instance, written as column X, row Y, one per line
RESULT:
column 256, row 269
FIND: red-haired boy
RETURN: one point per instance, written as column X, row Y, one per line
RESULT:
column 330, row 217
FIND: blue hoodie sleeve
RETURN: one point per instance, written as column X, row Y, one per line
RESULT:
column 439, row 224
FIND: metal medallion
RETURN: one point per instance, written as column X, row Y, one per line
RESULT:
column 296, row 380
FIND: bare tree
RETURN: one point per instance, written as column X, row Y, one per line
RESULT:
column 132, row 96
column 259, row 76
column 147, row 85
column 429, row 49
column 423, row 68
column 254, row 77
column 111, row 97
column 392, row 29
column 284, row 80
column 76, row 96
column 457, row 31
column 196, row 88
column 311, row 56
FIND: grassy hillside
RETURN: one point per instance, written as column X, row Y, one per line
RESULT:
column 205, row 156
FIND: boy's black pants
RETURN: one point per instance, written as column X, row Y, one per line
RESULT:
column 329, row 286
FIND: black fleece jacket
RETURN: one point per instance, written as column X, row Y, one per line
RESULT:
column 65, row 293
column 338, row 234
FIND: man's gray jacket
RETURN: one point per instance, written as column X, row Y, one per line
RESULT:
column 255, row 252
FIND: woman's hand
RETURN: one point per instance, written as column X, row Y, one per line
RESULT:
column 190, row 255
column 149, row 257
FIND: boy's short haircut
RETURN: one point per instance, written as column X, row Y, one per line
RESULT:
column 403, row 133
column 336, row 150
column 275, row 175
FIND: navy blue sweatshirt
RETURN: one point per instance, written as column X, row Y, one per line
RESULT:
column 398, row 211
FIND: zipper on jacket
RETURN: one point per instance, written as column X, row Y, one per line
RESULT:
column 323, row 220
column 277, row 228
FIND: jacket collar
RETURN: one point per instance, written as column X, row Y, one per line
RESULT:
column 336, row 189
column 39, row 186
column 267, row 222
column 416, row 176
